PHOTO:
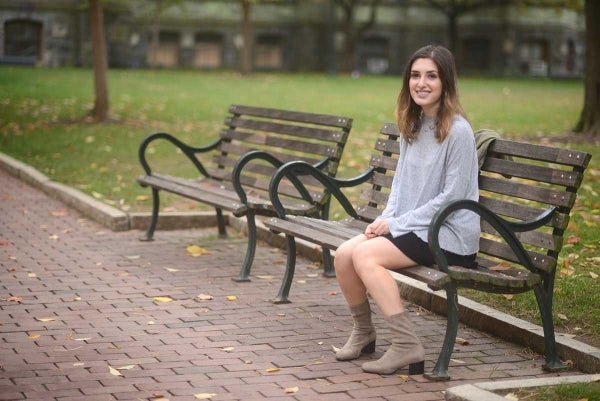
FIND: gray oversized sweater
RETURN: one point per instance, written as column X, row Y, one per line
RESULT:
column 430, row 174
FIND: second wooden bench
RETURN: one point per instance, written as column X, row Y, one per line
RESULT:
column 234, row 170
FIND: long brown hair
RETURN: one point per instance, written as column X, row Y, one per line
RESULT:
column 408, row 113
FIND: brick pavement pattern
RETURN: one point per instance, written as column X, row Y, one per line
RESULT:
column 83, row 317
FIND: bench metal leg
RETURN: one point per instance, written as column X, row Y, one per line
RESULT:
column 290, row 267
column 149, row 236
column 244, row 275
column 440, row 371
column 221, row 223
column 328, row 269
column 553, row 362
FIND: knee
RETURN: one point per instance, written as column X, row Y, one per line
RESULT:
column 343, row 258
column 362, row 258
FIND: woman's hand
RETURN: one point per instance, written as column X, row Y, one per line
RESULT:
column 376, row 228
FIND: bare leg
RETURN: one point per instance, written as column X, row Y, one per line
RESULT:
column 371, row 261
column 350, row 283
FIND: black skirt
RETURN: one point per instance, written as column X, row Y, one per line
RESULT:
column 418, row 251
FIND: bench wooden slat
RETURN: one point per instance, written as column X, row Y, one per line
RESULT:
column 533, row 172
column 202, row 192
column 290, row 115
column 522, row 212
column 548, row 154
column 281, row 142
column 525, row 191
column 298, row 131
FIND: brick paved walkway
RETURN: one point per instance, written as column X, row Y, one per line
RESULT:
column 77, row 300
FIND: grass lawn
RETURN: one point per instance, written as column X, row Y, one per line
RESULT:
column 40, row 124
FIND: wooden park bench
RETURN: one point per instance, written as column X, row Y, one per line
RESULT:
column 233, row 172
column 526, row 194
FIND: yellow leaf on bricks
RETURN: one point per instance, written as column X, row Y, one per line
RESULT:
column 114, row 371
column 272, row 370
column 204, row 396
column 291, row 390
column 163, row 299
column 45, row 319
column 34, row 336
column 195, row 250
column 231, row 297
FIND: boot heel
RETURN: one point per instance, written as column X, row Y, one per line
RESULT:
column 369, row 348
column 416, row 368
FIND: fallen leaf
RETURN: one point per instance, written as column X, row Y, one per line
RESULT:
column 59, row 212
column 126, row 367
column 404, row 377
column 171, row 270
column 573, row 240
column 333, row 292
column 114, row 371
column 53, row 237
column 31, row 275
column 45, row 319
column 227, row 349
column 133, row 257
column 14, row 299
column 462, row 341
column 562, row 316
column 593, row 275
column 272, row 370
column 141, row 198
column 163, row 299
column 82, row 339
column 231, row 297
column 195, row 250
column 291, row 390
column 511, row 397
column 205, row 297
column 508, row 296
column 34, row 336
column 204, row 396
column 566, row 272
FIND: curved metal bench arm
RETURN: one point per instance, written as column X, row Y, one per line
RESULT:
column 294, row 169
column 505, row 228
column 189, row 151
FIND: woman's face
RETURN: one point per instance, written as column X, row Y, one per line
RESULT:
column 425, row 85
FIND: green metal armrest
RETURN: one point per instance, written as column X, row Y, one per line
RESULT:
column 189, row 151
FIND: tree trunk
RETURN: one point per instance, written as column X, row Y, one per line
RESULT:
column 247, row 35
column 589, row 122
column 100, row 110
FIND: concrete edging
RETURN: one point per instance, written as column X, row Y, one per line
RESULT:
column 585, row 357
column 488, row 391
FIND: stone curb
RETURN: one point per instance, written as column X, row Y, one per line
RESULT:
column 583, row 356
column 488, row 391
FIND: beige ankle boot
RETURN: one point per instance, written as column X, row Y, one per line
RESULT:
column 406, row 349
column 362, row 338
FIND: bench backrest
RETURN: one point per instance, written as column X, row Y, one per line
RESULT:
column 517, row 181
column 287, row 135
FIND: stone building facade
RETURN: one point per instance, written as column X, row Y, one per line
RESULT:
column 290, row 36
